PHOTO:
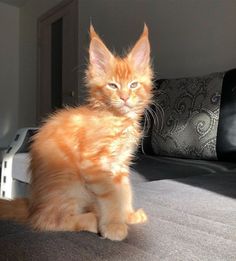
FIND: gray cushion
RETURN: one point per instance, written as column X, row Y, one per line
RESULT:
column 188, row 113
column 190, row 218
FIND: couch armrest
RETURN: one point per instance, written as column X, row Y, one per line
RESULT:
column 20, row 144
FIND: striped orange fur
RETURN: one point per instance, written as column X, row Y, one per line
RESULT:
column 80, row 157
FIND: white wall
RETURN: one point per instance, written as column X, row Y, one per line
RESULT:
column 188, row 37
column 9, row 72
column 29, row 14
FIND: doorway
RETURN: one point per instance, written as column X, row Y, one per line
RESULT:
column 57, row 58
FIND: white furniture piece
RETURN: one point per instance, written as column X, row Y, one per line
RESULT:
column 14, row 174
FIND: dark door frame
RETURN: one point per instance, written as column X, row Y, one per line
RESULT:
column 52, row 15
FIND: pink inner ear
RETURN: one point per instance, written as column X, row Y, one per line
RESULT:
column 97, row 59
column 140, row 54
column 99, row 55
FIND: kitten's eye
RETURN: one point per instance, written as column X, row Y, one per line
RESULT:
column 112, row 85
column 133, row 85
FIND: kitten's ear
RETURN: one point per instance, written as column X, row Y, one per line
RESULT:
column 100, row 57
column 139, row 56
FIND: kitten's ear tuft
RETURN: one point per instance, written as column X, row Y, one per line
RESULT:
column 139, row 56
column 100, row 57
column 92, row 32
column 145, row 30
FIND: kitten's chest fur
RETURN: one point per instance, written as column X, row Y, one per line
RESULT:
column 125, row 142
column 111, row 143
column 88, row 140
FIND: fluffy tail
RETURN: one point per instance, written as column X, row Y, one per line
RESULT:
column 17, row 209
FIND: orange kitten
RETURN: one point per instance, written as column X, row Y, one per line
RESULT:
column 80, row 157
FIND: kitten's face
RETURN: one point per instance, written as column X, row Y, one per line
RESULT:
column 122, row 85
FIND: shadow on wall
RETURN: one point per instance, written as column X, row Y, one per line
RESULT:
column 7, row 129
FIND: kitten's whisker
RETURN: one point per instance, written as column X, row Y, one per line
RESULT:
column 158, row 110
column 154, row 116
column 147, row 123
column 146, row 128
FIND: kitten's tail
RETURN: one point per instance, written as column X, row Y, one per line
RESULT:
column 16, row 209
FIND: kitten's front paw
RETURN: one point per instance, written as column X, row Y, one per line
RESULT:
column 139, row 216
column 116, row 232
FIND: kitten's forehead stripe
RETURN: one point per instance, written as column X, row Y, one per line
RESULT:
column 122, row 70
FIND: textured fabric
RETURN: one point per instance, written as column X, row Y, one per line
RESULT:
column 190, row 218
column 188, row 113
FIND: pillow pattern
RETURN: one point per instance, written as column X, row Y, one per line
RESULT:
column 187, row 110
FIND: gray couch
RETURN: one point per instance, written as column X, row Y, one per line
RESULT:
column 189, row 200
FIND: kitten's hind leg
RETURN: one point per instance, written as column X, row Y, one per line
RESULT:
column 59, row 218
column 78, row 222
column 82, row 222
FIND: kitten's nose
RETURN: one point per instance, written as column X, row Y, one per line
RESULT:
column 124, row 97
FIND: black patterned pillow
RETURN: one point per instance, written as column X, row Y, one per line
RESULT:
column 187, row 110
